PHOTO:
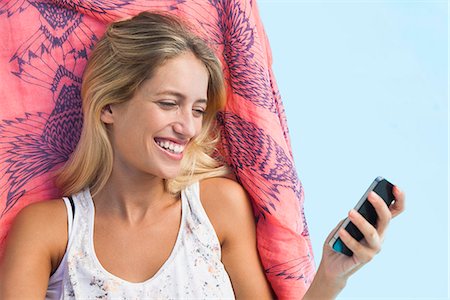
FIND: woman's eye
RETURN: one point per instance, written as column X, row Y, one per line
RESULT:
column 166, row 104
column 198, row 112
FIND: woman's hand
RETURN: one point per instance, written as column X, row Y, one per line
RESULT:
column 335, row 268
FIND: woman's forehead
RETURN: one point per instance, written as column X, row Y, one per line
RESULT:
column 183, row 75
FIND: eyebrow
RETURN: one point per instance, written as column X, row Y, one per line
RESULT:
column 179, row 95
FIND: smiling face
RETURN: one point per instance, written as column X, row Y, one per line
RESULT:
column 150, row 132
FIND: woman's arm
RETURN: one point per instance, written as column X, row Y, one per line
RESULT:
column 230, row 212
column 34, row 248
column 228, row 207
column 335, row 268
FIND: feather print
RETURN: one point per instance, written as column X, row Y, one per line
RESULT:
column 45, row 54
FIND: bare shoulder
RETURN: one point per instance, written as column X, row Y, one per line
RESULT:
column 221, row 193
column 224, row 186
column 224, row 200
column 230, row 211
column 41, row 226
column 42, row 214
column 34, row 247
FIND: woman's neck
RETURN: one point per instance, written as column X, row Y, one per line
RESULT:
column 132, row 198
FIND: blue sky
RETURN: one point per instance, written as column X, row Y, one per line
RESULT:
column 365, row 87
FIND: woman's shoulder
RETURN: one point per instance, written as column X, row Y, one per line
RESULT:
column 42, row 221
column 38, row 235
column 223, row 185
column 223, row 200
column 221, row 192
column 46, row 212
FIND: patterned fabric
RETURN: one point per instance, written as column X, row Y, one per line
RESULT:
column 45, row 45
column 193, row 269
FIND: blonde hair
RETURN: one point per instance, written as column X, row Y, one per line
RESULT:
column 126, row 56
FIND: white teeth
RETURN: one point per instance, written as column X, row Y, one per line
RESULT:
column 172, row 147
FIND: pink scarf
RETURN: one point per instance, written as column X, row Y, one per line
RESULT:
column 44, row 48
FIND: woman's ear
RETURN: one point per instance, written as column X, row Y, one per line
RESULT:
column 107, row 115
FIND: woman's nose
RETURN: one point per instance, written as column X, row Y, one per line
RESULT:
column 185, row 124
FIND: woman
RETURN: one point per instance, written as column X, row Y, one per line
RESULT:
column 150, row 211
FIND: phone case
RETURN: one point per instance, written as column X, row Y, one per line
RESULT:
column 384, row 189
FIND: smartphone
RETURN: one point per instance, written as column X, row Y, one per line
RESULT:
column 384, row 189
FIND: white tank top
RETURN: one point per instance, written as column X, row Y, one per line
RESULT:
column 193, row 270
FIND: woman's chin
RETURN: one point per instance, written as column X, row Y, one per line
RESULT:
column 171, row 175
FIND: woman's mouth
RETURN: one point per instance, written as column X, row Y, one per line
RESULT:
column 170, row 147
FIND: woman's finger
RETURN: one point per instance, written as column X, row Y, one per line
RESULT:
column 370, row 233
column 399, row 205
column 384, row 215
column 361, row 253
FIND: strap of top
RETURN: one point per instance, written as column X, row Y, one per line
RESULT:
column 56, row 277
column 70, row 206
column 73, row 206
